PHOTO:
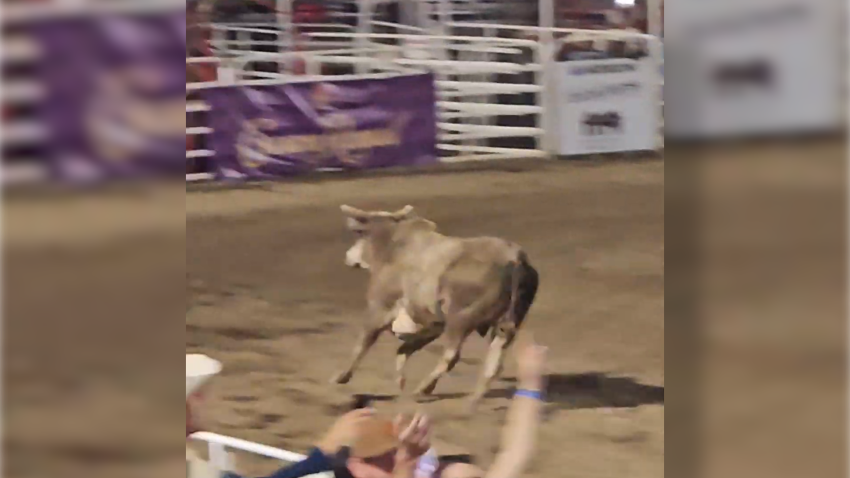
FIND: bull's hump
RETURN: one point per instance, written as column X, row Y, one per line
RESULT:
column 418, row 226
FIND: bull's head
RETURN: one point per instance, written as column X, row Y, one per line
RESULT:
column 365, row 225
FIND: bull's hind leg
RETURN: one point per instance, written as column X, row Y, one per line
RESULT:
column 382, row 322
column 506, row 329
column 502, row 339
column 453, row 340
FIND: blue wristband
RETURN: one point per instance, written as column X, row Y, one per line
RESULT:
column 529, row 394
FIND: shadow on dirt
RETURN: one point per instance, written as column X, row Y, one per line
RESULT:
column 436, row 397
column 592, row 390
column 570, row 392
column 359, row 400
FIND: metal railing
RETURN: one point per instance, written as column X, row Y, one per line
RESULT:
column 218, row 445
column 475, row 75
column 468, row 70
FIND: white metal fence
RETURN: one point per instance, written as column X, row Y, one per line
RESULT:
column 479, row 77
column 494, row 84
column 218, row 445
column 20, row 133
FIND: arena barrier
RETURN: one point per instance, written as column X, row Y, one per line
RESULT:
column 477, row 106
column 495, row 96
column 371, row 121
column 460, row 88
column 51, row 100
column 495, row 86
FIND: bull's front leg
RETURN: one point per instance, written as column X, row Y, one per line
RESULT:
column 380, row 321
column 412, row 345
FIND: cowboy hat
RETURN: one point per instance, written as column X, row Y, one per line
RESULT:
column 199, row 368
column 377, row 437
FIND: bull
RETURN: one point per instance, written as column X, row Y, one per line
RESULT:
column 425, row 286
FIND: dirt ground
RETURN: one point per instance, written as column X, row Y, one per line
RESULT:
column 269, row 296
column 103, row 296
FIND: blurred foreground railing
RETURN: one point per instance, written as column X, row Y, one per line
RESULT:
column 218, row 446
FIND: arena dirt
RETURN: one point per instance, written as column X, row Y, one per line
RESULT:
column 270, row 297
column 266, row 292
column 264, row 289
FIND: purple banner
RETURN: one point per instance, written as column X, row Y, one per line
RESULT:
column 116, row 87
column 272, row 131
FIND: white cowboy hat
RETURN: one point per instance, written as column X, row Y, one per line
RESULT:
column 199, row 368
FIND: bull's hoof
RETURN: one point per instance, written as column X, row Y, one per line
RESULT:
column 342, row 378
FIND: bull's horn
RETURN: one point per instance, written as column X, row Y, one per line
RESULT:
column 353, row 211
column 403, row 212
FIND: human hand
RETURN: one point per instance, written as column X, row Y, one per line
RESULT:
column 531, row 364
column 414, row 438
column 345, row 431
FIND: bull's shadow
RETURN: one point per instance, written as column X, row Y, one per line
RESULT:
column 563, row 392
column 593, row 390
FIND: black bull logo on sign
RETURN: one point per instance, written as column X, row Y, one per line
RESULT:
column 758, row 73
column 596, row 123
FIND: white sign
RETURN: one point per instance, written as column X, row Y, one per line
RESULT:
column 607, row 106
column 755, row 67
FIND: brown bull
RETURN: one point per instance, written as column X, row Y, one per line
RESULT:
column 424, row 285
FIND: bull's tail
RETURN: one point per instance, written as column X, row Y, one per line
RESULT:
column 524, row 281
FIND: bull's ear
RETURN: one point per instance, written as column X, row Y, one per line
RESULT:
column 355, row 224
column 402, row 213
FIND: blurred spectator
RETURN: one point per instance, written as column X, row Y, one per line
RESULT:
column 572, row 50
column 309, row 11
column 577, row 48
column 360, row 445
column 242, row 11
column 342, row 434
column 198, row 17
column 662, row 18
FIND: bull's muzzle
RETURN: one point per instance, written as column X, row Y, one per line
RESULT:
column 354, row 256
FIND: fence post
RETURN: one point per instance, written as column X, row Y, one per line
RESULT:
column 227, row 71
column 546, row 59
column 655, row 24
column 547, row 98
column 364, row 25
column 218, row 456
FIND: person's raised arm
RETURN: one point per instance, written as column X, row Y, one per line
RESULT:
column 520, row 432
